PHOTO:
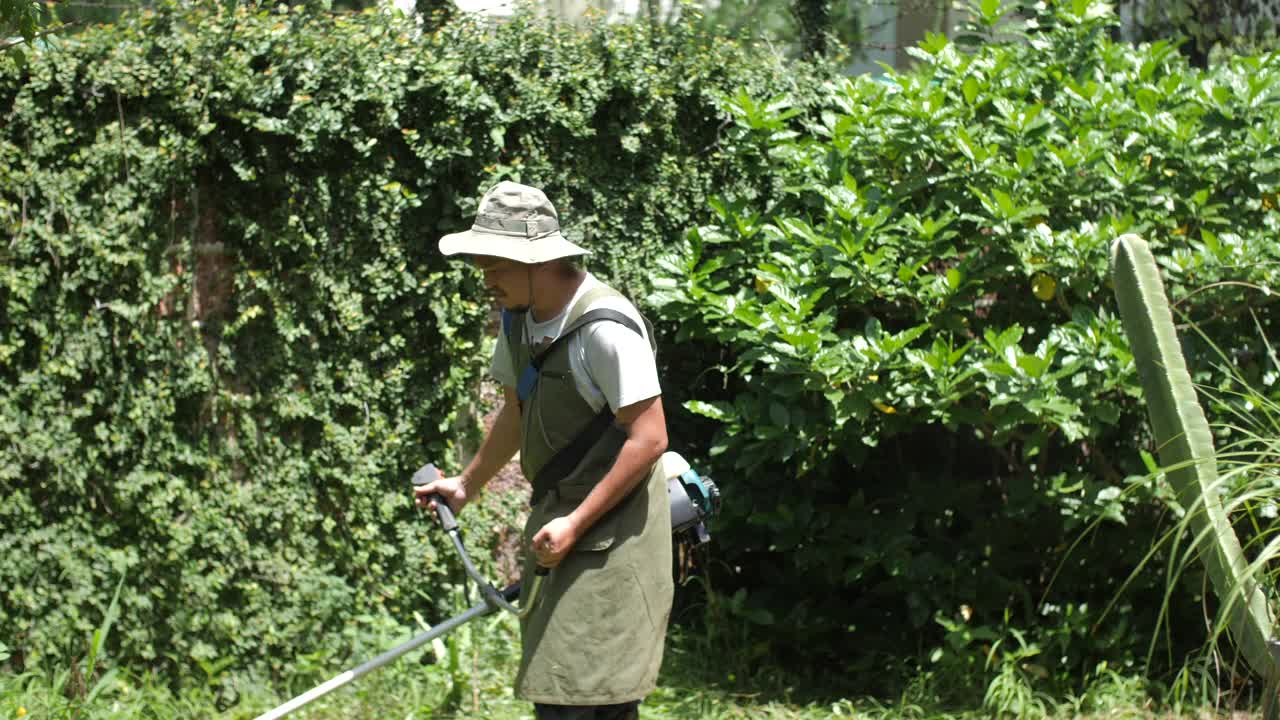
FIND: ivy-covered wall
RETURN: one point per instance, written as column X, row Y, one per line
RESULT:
column 226, row 337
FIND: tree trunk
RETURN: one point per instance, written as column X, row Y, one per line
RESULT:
column 814, row 19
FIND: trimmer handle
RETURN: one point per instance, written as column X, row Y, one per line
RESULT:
column 426, row 475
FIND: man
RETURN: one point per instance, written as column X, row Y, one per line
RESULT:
column 582, row 404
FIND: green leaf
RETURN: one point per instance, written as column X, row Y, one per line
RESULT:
column 1148, row 100
column 1026, row 158
column 872, row 329
column 779, row 415
column 716, row 411
column 934, row 43
column 991, row 10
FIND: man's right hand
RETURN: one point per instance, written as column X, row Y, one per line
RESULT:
column 452, row 489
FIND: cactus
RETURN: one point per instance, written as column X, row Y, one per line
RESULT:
column 1186, row 446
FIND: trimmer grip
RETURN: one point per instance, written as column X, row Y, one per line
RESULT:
column 444, row 512
column 426, row 475
column 542, row 571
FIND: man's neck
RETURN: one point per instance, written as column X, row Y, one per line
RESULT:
column 554, row 291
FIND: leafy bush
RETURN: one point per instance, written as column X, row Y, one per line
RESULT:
column 926, row 412
column 226, row 337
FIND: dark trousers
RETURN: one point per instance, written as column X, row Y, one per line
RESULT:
column 624, row 711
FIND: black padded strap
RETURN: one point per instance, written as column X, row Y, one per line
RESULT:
column 568, row 457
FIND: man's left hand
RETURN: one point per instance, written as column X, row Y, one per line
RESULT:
column 554, row 541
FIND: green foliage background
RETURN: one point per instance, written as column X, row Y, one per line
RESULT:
column 19, row 17
column 226, row 337
column 921, row 393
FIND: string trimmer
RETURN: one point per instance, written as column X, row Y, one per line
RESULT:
column 694, row 499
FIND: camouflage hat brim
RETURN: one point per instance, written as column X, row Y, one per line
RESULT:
column 520, row 248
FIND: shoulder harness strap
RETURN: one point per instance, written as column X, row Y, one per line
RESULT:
column 579, row 317
column 568, row 457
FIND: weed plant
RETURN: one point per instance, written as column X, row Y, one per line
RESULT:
column 1237, row 383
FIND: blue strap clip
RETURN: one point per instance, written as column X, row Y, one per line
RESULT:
column 528, row 379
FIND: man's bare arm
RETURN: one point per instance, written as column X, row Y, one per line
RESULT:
column 646, row 428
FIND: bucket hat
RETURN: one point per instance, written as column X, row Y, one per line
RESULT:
column 516, row 222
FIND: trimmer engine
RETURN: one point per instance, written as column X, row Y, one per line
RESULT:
column 694, row 499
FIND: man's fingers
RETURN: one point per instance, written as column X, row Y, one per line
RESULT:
column 546, row 558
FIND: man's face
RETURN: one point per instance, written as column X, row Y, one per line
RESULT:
column 506, row 280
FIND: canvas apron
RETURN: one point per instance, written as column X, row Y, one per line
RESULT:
column 596, row 635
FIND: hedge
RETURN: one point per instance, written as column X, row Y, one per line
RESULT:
column 226, row 339
column 912, row 363
column 226, row 336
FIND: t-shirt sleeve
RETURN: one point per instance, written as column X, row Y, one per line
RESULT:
column 620, row 363
column 500, row 366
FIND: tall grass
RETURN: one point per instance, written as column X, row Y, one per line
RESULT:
column 1246, row 426
column 465, row 674
column 469, row 677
